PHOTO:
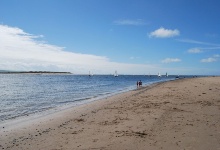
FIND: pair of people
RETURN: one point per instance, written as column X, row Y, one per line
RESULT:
column 139, row 83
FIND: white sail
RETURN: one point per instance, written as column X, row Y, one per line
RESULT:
column 90, row 74
column 159, row 74
column 116, row 74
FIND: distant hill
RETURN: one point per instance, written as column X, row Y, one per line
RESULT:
column 5, row 71
column 32, row 72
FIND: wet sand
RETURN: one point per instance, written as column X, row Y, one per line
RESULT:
column 180, row 114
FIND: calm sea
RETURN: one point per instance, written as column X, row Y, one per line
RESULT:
column 25, row 94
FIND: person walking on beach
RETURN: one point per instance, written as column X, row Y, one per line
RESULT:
column 137, row 84
column 140, row 83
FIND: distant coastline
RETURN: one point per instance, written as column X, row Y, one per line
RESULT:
column 33, row 72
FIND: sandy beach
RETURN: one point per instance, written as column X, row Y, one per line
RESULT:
column 180, row 114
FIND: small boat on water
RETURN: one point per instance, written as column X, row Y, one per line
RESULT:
column 90, row 74
column 159, row 74
column 116, row 74
column 166, row 74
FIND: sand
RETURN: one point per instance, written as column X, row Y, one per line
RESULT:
column 180, row 114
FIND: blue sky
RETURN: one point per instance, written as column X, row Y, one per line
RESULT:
column 101, row 36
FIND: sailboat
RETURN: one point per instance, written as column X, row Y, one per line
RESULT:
column 116, row 74
column 90, row 74
column 159, row 74
column 166, row 74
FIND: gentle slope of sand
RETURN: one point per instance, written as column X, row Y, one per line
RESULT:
column 181, row 114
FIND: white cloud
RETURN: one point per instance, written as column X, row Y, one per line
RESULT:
column 199, row 42
column 137, row 22
column 216, row 55
column 208, row 60
column 22, row 51
column 132, row 58
column 164, row 33
column 195, row 50
column 214, row 58
column 171, row 60
column 19, row 45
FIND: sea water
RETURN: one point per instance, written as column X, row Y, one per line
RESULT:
column 26, row 94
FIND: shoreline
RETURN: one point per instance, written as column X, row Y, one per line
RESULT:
column 51, row 113
column 176, row 114
column 57, row 109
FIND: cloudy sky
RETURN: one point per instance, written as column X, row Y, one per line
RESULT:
column 101, row 36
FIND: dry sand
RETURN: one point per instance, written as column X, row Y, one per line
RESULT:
column 180, row 114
